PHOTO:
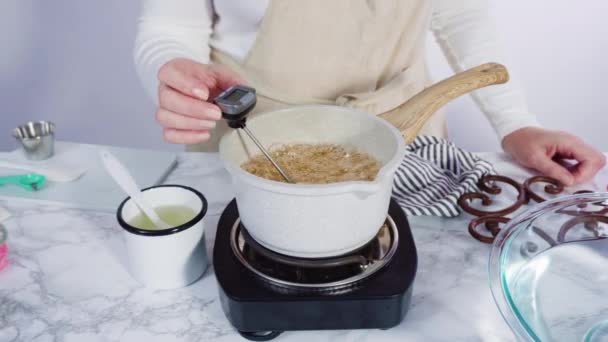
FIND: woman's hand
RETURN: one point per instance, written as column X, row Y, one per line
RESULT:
column 542, row 150
column 184, row 94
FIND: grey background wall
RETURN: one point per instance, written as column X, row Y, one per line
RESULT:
column 70, row 62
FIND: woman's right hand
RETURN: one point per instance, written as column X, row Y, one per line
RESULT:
column 185, row 93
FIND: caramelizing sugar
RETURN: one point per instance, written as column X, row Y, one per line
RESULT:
column 315, row 164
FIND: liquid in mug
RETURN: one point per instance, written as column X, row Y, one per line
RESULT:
column 174, row 215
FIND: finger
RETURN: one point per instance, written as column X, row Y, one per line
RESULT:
column 590, row 161
column 219, row 78
column 226, row 78
column 174, row 101
column 548, row 167
column 583, row 171
column 181, row 75
column 170, row 119
column 185, row 137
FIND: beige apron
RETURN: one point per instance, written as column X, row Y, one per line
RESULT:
column 363, row 54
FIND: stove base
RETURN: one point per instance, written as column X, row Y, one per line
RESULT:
column 252, row 307
column 308, row 314
column 261, row 335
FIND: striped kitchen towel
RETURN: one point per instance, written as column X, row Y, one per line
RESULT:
column 433, row 174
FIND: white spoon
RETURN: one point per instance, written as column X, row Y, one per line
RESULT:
column 123, row 178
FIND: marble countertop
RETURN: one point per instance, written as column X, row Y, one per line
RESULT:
column 67, row 280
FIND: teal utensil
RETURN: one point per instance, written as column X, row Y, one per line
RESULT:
column 31, row 181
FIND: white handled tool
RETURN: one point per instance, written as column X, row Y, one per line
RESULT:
column 124, row 179
column 54, row 173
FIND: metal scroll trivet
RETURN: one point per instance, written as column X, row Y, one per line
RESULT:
column 491, row 221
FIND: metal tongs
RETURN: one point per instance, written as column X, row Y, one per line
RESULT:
column 236, row 102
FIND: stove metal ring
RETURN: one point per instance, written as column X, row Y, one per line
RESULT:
column 236, row 243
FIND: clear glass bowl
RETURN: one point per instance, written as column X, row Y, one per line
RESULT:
column 549, row 270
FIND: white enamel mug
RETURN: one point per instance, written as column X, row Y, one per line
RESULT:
column 169, row 258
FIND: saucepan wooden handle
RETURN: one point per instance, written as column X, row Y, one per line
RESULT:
column 411, row 116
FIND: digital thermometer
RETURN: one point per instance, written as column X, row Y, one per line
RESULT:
column 236, row 102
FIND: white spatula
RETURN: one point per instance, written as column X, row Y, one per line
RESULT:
column 123, row 178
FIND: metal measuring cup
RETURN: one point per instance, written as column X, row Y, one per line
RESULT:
column 37, row 139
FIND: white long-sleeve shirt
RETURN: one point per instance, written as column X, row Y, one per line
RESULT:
column 189, row 28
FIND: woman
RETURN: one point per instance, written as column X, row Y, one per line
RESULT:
column 368, row 55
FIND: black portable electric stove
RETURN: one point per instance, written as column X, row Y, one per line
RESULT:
column 264, row 293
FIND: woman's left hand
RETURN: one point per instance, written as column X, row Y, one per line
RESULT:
column 542, row 150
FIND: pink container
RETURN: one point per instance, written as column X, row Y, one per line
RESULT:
column 3, row 247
